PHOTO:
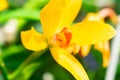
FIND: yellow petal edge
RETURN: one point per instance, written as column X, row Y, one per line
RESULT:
column 58, row 14
column 91, row 32
column 103, row 47
column 69, row 62
column 33, row 40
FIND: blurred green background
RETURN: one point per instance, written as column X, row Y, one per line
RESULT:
column 21, row 15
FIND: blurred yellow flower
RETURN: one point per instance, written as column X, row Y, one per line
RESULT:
column 3, row 5
column 103, row 47
column 61, row 38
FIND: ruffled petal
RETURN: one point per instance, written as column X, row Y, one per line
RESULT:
column 91, row 32
column 69, row 62
column 33, row 40
column 58, row 14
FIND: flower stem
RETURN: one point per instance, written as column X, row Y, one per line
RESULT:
column 29, row 59
column 3, row 69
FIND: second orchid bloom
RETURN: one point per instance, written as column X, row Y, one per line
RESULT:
column 103, row 47
column 64, row 39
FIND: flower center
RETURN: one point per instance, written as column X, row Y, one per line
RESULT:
column 63, row 38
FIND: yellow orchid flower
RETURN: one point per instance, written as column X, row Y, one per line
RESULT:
column 61, row 38
column 3, row 5
column 103, row 47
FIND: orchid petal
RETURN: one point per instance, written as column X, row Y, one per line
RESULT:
column 103, row 47
column 69, row 62
column 93, row 17
column 33, row 40
column 91, row 32
column 58, row 14
column 84, row 50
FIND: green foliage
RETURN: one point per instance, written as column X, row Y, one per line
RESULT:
column 26, row 72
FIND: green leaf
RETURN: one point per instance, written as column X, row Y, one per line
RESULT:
column 12, row 50
column 20, row 13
